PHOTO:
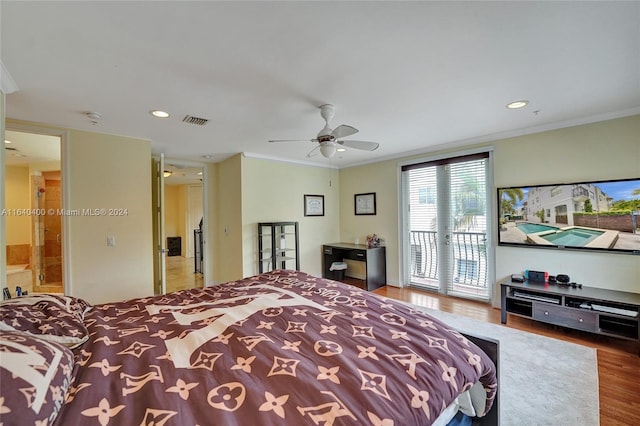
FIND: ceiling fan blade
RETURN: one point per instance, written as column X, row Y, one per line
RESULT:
column 343, row 131
column 313, row 152
column 293, row 140
column 364, row 145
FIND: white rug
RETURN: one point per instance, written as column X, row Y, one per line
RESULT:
column 543, row 381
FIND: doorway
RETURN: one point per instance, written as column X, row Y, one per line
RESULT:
column 183, row 224
column 33, row 194
column 446, row 232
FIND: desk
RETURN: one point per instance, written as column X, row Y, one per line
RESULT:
column 374, row 258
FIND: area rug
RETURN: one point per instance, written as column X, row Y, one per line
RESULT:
column 543, row 381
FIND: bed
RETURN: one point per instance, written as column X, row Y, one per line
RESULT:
column 282, row 347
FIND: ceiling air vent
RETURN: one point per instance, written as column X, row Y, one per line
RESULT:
column 195, row 120
column 10, row 148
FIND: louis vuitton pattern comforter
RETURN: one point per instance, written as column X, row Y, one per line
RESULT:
column 278, row 348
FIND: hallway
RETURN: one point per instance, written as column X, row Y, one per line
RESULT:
column 180, row 274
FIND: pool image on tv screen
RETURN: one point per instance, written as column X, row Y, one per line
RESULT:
column 598, row 216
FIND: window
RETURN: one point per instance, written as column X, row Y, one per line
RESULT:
column 427, row 195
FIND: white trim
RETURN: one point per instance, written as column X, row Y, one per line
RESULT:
column 7, row 83
column 181, row 162
column 287, row 160
column 453, row 154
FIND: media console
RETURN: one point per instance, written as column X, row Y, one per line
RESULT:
column 601, row 311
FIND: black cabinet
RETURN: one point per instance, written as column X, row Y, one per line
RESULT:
column 174, row 246
column 601, row 311
column 278, row 246
column 374, row 258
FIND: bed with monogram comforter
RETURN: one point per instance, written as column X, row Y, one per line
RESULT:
column 278, row 348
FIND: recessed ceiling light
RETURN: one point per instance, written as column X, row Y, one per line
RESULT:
column 199, row 173
column 6, row 141
column 517, row 104
column 341, row 149
column 207, row 157
column 159, row 114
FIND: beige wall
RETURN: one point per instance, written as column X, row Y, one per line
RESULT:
column 604, row 150
column 273, row 191
column 18, row 198
column 175, row 217
column 228, row 228
column 113, row 172
column 381, row 179
column 598, row 151
column 106, row 171
column 175, row 197
column 171, row 210
column 211, row 228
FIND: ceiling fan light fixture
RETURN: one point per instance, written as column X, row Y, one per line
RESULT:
column 327, row 150
column 167, row 173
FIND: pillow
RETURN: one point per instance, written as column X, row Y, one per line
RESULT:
column 35, row 376
column 52, row 317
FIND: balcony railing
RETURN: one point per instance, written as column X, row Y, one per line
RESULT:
column 469, row 257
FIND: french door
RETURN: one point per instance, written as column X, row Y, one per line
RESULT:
column 447, row 205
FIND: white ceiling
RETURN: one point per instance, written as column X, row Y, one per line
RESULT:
column 22, row 149
column 409, row 75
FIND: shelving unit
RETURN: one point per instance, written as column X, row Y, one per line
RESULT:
column 601, row 311
column 278, row 246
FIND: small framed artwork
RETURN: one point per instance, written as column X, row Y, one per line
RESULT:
column 365, row 203
column 313, row 205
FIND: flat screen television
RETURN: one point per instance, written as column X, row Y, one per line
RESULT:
column 592, row 216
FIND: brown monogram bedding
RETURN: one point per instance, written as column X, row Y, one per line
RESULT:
column 278, row 348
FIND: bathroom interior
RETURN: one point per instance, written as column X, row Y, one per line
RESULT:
column 32, row 192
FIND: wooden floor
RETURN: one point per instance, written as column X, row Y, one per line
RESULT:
column 618, row 360
column 180, row 274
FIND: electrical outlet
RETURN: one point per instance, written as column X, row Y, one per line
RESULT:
column 111, row 241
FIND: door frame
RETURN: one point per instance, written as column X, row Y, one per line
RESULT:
column 403, row 214
column 63, row 135
column 207, row 271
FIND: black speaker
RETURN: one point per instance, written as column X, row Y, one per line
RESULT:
column 562, row 278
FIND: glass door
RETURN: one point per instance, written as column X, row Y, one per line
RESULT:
column 446, row 225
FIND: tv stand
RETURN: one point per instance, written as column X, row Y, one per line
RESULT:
column 600, row 311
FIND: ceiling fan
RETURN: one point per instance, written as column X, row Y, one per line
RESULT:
column 329, row 141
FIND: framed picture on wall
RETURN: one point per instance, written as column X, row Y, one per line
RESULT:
column 365, row 203
column 313, row 205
